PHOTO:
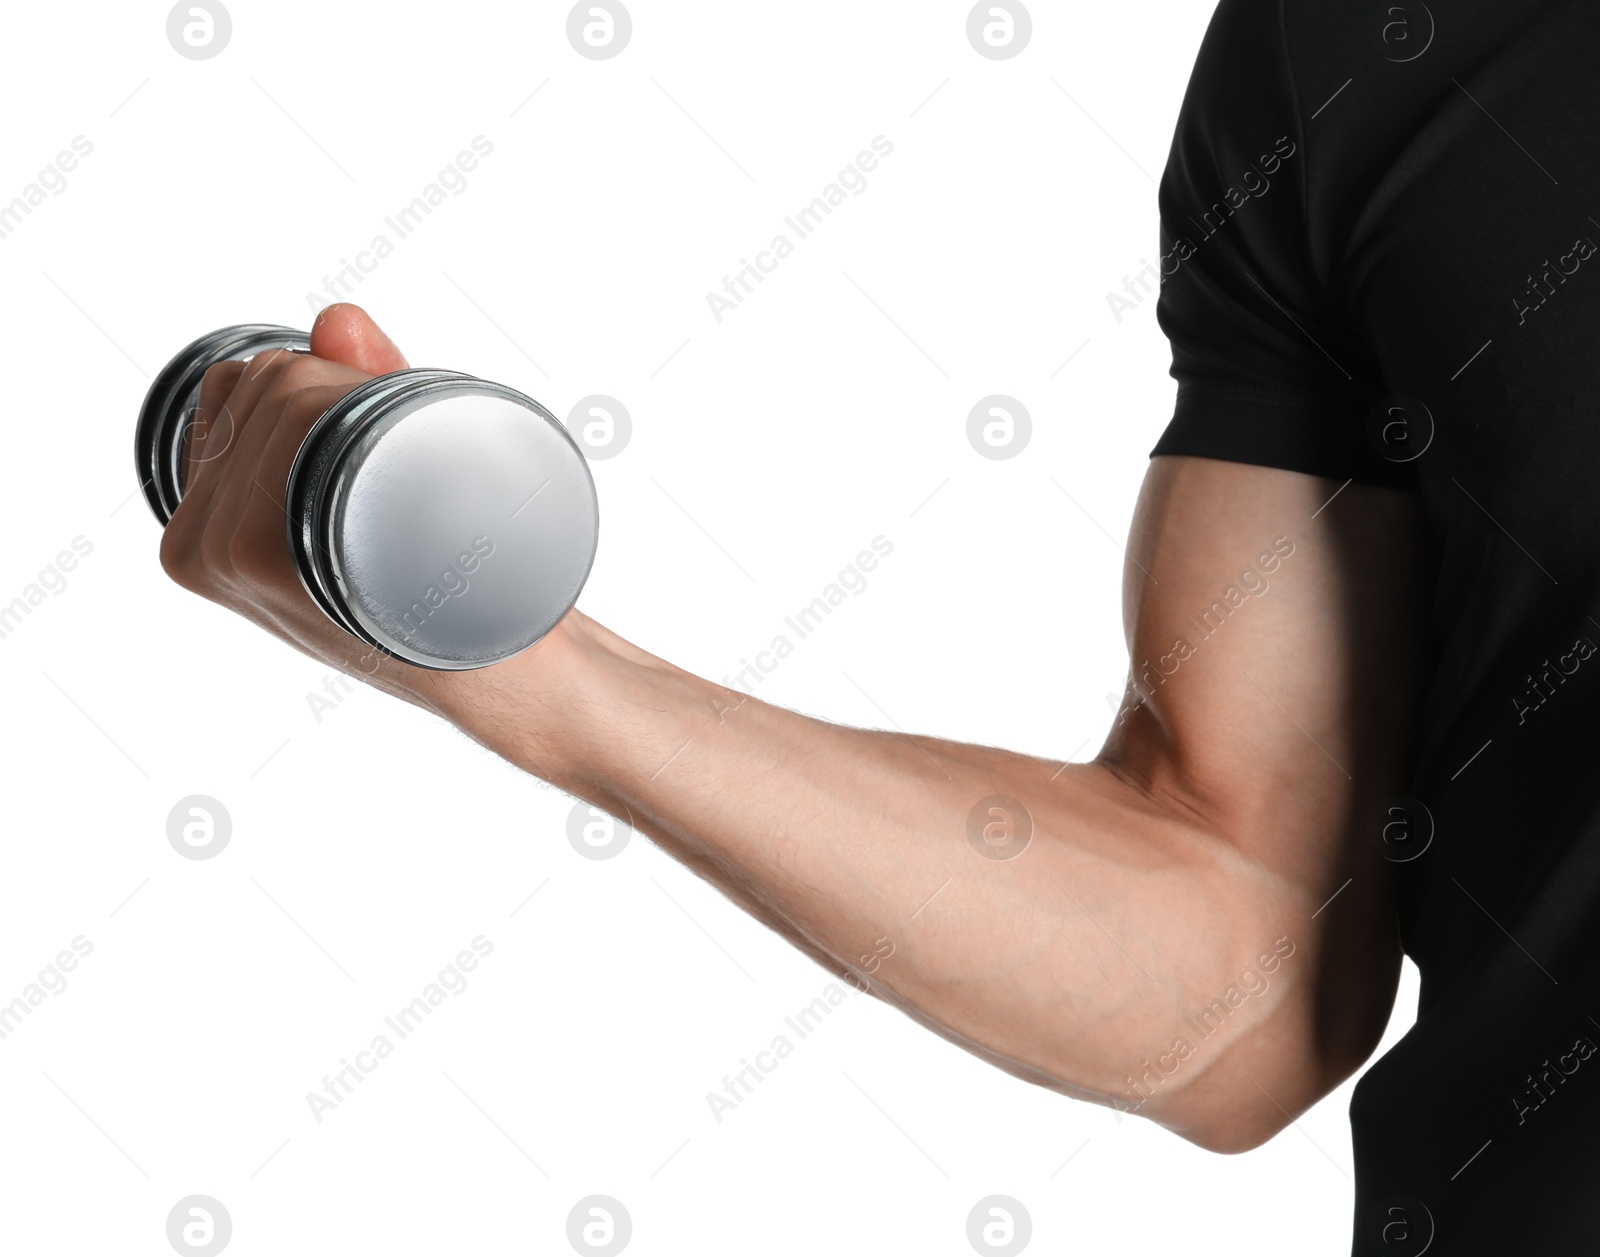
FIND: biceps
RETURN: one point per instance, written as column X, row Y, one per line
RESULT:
column 1275, row 633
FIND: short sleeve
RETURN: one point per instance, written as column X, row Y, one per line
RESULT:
column 1271, row 370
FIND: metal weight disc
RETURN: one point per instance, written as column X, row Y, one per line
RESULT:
column 169, row 404
column 153, row 436
column 322, row 445
column 459, row 523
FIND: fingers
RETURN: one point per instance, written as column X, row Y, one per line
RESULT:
column 346, row 333
column 227, row 541
column 257, row 554
column 275, row 390
column 212, row 430
column 257, row 513
column 302, row 388
column 251, row 385
column 253, row 381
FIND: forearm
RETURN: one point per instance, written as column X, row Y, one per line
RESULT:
column 1068, row 963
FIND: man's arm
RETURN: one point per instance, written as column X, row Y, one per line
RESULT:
column 1223, row 812
column 1163, row 943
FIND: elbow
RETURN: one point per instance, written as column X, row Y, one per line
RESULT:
column 1236, row 1134
column 1221, row 1111
column 1322, row 1023
column 1247, row 1101
column 1221, row 1119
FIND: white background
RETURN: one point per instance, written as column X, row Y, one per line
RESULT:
column 369, row 847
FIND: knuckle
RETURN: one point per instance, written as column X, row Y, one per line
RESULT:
column 265, row 366
column 305, row 404
column 173, row 557
column 250, row 560
column 218, row 376
column 177, row 557
column 272, row 359
column 214, row 551
column 300, row 372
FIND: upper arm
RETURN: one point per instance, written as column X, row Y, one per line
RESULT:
column 1276, row 644
column 1278, row 578
column 1277, row 660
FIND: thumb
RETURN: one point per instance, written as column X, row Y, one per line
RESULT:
column 346, row 333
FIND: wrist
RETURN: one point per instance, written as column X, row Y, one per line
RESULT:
column 526, row 709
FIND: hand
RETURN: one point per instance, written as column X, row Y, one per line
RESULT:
column 228, row 542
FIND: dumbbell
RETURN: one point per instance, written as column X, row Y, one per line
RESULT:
column 442, row 519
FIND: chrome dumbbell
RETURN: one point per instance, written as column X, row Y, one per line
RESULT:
column 445, row 520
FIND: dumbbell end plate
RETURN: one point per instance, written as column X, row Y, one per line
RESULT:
column 460, row 524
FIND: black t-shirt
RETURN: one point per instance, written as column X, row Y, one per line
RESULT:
column 1378, row 237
